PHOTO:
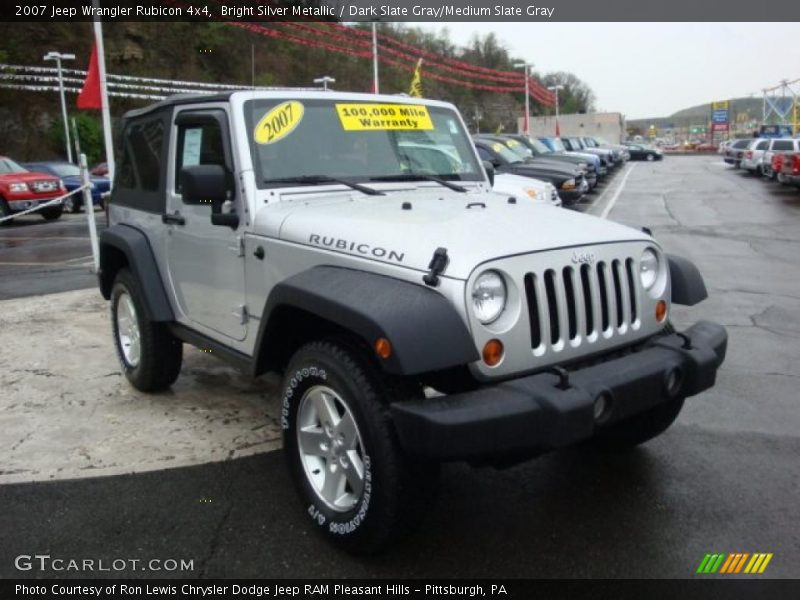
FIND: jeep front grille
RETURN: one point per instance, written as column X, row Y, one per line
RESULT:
column 581, row 303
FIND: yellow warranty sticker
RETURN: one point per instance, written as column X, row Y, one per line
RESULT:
column 512, row 143
column 498, row 147
column 278, row 122
column 381, row 117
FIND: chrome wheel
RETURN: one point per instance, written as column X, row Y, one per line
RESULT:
column 330, row 448
column 128, row 335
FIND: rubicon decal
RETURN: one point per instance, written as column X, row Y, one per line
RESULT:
column 356, row 247
column 734, row 563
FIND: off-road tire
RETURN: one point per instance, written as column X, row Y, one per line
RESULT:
column 396, row 488
column 161, row 353
column 52, row 213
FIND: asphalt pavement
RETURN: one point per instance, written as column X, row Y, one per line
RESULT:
column 42, row 257
column 724, row 478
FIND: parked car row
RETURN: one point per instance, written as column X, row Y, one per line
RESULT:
column 27, row 185
column 774, row 158
column 572, row 166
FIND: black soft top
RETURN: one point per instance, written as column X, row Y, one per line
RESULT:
column 176, row 100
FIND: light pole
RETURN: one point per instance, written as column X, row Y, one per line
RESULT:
column 527, row 67
column 555, row 88
column 325, row 80
column 375, row 89
column 58, row 57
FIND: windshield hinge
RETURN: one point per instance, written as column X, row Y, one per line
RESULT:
column 242, row 313
column 437, row 266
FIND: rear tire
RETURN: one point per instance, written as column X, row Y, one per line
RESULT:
column 651, row 157
column 357, row 486
column 149, row 354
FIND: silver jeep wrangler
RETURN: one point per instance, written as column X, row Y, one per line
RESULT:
column 353, row 243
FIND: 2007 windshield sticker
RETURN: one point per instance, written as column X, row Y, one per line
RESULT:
column 381, row 117
column 278, row 122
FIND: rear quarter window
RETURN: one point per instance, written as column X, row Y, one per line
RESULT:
column 140, row 175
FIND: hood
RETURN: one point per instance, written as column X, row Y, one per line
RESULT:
column 27, row 177
column 474, row 227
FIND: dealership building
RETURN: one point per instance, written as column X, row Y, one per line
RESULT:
column 607, row 125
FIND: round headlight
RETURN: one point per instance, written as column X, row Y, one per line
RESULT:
column 648, row 268
column 488, row 296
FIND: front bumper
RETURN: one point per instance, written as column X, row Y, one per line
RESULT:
column 20, row 204
column 533, row 414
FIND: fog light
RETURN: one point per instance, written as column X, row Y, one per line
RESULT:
column 601, row 405
column 673, row 382
column 383, row 348
column 493, row 352
column 661, row 310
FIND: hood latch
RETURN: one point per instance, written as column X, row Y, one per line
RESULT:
column 437, row 266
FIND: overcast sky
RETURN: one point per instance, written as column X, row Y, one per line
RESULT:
column 653, row 69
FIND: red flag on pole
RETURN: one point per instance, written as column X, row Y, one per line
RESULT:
column 90, row 93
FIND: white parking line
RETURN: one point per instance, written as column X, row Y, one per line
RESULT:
column 617, row 192
column 72, row 262
column 42, row 238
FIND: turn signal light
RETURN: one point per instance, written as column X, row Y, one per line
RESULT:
column 493, row 352
column 661, row 310
column 383, row 348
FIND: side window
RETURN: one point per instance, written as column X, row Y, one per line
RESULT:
column 484, row 154
column 782, row 145
column 201, row 143
column 140, row 164
column 762, row 145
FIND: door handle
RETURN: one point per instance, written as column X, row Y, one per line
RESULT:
column 173, row 219
column 259, row 253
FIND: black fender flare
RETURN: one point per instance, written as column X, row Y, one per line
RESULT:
column 135, row 246
column 425, row 331
column 688, row 287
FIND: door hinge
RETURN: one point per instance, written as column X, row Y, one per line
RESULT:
column 242, row 314
column 238, row 247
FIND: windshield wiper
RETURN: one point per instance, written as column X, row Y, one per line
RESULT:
column 321, row 179
column 420, row 177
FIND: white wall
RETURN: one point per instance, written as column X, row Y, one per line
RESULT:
column 610, row 126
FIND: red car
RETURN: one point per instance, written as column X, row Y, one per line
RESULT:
column 790, row 170
column 100, row 169
column 21, row 189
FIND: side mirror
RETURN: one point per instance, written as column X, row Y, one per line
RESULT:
column 208, row 184
column 489, row 168
column 204, row 184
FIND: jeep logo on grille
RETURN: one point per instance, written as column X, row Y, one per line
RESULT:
column 587, row 258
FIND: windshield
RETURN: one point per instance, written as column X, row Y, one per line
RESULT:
column 358, row 141
column 505, row 152
column 538, row 146
column 519, row 148
column 66, row 170
column 558, row 145
column 9, row 166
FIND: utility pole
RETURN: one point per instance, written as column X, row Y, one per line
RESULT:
column 58, row 57
column 527, row 67
column 555, row 88
column 375, row 86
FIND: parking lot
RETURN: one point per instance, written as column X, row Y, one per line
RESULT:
column 94, row 469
